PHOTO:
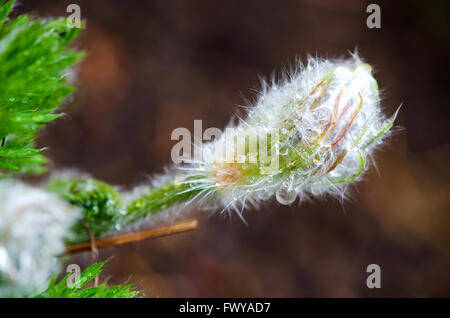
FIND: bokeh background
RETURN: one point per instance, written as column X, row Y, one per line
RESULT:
column 153, row 66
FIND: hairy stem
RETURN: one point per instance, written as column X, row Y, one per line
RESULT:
column 105, row 210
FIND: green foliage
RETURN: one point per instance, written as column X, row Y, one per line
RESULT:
column 99, row 203
column 105, row 209
column 34, row 66
column 62, row 290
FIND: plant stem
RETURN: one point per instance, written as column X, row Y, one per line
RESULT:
column 133, row 237
column 105, row 210
column 94, row 249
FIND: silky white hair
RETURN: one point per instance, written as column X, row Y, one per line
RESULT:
column 33, row 225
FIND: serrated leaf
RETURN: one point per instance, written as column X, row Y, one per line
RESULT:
column 62, row 290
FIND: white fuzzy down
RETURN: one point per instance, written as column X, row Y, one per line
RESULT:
column 33, row 225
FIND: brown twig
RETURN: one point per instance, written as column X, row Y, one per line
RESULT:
column 133, row 237
column 94, row 250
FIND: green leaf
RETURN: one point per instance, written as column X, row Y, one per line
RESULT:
column 99, row 203
column 4, row 11
column 62, row 290
column 35, row 61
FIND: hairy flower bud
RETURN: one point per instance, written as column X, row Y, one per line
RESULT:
column 33, row 225
column 311, row 133
column 319, row 126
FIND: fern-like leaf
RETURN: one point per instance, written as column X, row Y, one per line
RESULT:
column 62, row 290
column 34, row 66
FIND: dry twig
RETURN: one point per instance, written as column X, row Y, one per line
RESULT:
column 133, row 237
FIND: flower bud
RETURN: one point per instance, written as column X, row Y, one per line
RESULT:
column 318, row 125
column 33, row 225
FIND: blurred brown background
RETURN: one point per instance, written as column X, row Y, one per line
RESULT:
column 153, row 66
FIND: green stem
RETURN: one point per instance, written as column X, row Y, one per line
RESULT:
column 105, row 209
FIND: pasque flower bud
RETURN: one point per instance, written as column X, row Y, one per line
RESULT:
column 309, row 134
column 33, row 225
column 319, row 124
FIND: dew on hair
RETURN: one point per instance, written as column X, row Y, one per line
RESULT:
column 286, row 196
